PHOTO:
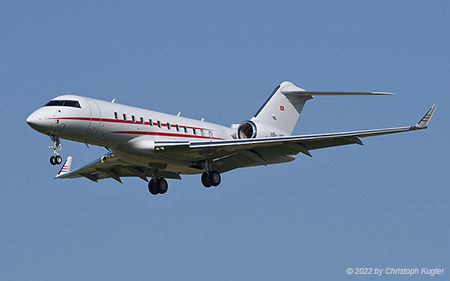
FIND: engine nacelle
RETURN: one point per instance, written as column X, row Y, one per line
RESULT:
column 140, row 146
column 250, row 129
column 247, row 130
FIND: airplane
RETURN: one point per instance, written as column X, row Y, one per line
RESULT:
column 149, row 144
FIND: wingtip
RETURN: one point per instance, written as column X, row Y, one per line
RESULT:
column 423, row 123
column 384, row 93
column 65, row 168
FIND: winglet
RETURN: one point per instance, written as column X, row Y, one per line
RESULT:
column 66, row 167
column 423, row 123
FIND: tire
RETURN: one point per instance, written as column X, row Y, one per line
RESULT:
column 58, row 160
column 205, row 180
column 152, row 187
column 214, row 178
column 162, row 186
column 53, row 160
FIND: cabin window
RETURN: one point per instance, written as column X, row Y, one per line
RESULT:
column 201, row 132
column 150, row 122
column 142, row 121
column 116, row 116
column 193, row 130
column 124, row 117
column 211, row 136
column 168, row 125
column 159, row 124
column 133, row 119
column 177, row 127
column 185, row 129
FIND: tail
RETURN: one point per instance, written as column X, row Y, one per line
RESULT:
column 282, row 109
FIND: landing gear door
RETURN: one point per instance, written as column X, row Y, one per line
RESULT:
column 96, row 118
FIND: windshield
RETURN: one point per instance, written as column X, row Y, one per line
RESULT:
column 71, row 103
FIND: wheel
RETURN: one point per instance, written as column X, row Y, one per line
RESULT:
column 58, row 160
column 53, row 160
column 152, row 187
column 161, row 185
column 214, row 178
column 205, row 180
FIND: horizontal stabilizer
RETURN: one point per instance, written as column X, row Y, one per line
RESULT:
column 307, row 93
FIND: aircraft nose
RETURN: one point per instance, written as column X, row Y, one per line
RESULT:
column 33, row 119
column 36, row 121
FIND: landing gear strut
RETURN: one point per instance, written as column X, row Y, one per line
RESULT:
column 56, row 146
column 158, row 186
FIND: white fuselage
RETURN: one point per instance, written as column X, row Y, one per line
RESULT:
column 112, row 125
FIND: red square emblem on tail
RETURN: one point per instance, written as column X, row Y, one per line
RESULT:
column 281, row 108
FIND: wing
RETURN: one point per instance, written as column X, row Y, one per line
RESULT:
column 230, row 154
column 111, row 166
column 189, row 157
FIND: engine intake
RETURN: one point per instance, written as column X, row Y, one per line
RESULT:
column 247, row 130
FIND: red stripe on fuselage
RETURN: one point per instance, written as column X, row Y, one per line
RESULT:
column 124, row 122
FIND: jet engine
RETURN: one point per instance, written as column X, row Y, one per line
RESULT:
column 140, row 146
column 247, row 130
column 252, row 129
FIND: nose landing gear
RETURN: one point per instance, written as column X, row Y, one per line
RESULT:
column 56, row 146
column 55, row 160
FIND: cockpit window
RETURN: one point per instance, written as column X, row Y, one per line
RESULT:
column 71, row 103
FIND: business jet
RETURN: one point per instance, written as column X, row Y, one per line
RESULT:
column 150, row 144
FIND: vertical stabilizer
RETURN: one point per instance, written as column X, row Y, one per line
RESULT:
column 282, row 111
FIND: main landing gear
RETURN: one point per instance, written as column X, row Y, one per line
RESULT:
column 158, row 186
column 56, row 146
column 211, row 178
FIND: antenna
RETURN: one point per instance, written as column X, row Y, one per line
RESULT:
column 179, row 113
column 113, row 100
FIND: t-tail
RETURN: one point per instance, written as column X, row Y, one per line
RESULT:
column 279, row 114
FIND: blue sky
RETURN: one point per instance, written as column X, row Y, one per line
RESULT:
column 381, row 205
